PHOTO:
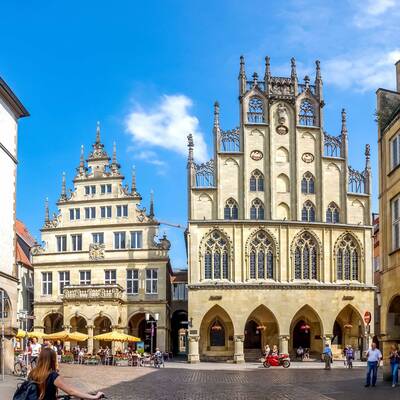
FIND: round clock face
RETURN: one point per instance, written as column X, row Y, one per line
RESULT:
column 307, row 157
column 256, row 155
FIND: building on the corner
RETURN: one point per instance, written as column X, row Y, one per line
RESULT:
column 377, row 277
column 179, row 311
column 388, row 116
column 101, row 266
column 279, row 232
column 11, row 110
column 25, row 242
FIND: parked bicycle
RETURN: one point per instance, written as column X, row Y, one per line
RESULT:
column 20, row 367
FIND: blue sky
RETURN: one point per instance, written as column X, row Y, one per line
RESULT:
column 129, row 64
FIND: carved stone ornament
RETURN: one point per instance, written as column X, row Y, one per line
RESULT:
column 36, row 250
column 96, row 251
column 256, row 155
column 282, row 130
column 307, row 158
column 282, row 113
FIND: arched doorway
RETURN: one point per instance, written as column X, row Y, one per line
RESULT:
column 216, row 335
column 252, row 335
column 78, row 324
column 178, row 332
column 53, row 323
column 139, row 327
column 348, row 330
column 393, row 319
column 102, row 324
column 306, row 331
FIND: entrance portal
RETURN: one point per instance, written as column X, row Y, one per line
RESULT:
column 252, row 335
column 302, row 335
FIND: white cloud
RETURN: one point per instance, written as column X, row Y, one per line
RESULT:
column 370, row 13
column 167, row 125
column 364, row 72
column 150, row 157
column 378, row 7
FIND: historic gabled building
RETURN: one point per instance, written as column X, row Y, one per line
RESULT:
column 11, row 110
column 101, row 267
column 279, row 232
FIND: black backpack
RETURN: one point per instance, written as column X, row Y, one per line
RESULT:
column 27, row 390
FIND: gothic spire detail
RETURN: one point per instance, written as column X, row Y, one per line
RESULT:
column 368, row 157
column 190, row 147
column 293, row 73
column 81, row 169
column 151, row 213
column 242, row 72
column 267, row 74
column 344, row 123
column 318, row 71
column 46, row 211
column 242, row 77
column 63, row 196
column 98, row 133
column 98, row 152
column 133, row 184
column 216, row 117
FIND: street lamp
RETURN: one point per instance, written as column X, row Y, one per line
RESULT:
column 152, row 323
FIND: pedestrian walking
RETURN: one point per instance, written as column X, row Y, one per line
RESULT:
column 374, row 356
column 349, row 356
column 394, row 357
column 327, row 355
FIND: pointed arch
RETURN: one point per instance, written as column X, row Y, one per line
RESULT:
column 349, row 258
column 308, row 212
column 332, row 213
column 307, row 113
column 204, row 197
column 231, row 209
column 256, row 131
column 308, row 135
column 255, row 113
column 282, row 155
column 215, row 255
column 283, row 211
column 256, row 181
column 333, row 165
column 282, row 183
column 306, row 256
column 261, row 250
column 308, row 183
column 257, row 210
column 231, row 160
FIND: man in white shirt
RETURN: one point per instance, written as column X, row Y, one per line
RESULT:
column 35, row 350
column 374, row 356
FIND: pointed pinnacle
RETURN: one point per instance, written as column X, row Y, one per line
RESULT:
column 114, row 157
column 133, row 185
column 344, row 122
column 46, row 210
column 98, row 132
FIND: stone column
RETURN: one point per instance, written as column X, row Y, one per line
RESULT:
column 161, row 338
column 193, row 356
column 239, row 355
column 90, row 339
column 67, row 345
column 284, row 344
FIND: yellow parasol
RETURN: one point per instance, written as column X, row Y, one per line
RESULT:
column 35, row 334
column 115, row 336
column 66, row 336
column 21, row 334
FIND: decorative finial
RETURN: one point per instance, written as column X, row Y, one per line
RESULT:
column 98, row 132
column 293, row 72
column 82, row 158
column 216, row 115
column 242, row 72
column 133, row 186
column 344, row 122
column 190, row 147
column 63, row 188
column 46, row 211
column 255, row 79
column 267, row 74
column 317, row 70
column 151, row 213
column 367, row 153
column 307, row 81
column 114, row 156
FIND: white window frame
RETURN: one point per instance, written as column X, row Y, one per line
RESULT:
column 106, row 188
column 110, row 276
column 107, row 212
column 96, row 236
column 151, row 281
column 394, row 145
column 90, row 190
column 133, row 279
column 76, row 243
column 63, row 280
column 90, row 212
column 47, row 283
column 61, row 243
column 87, row 277
column 179, row 291
column 395, row 203
column 118, row 236
column 136, row 239
column 74, row 214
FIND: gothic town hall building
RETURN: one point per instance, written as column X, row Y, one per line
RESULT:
column 279, row 233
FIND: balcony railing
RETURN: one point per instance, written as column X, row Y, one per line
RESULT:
column 93, row 292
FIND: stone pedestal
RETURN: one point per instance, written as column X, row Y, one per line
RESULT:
column 284, row 344
column 238, row 357
column 193, row 356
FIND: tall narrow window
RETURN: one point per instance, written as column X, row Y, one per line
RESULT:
column 110, row 276
column 119, row 240
column 306, row 113
column 61, row 243
column 256, row 181
column 136, row 239
column 306, row 257
column 257, row 210
column 216, row 258
column 347, row 267
column 105, row 211
column 85, row 277
column 63, row 279
column 151, row 281
column 395, row 151
column 308, row 212
column 98, row 237
column 332, row 213
column 255, row 115
column 308, row 183
column 90, row 212
column 47, row 283
column 76, row 242
column 132, row 281
column 122, row 211
column 395, row 223
column 231, row 209
column 261, row 256
column 74, row 213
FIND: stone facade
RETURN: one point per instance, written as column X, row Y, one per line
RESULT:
column 11, row 110
column 101, row 266
column 279, row 235
column 388, row 110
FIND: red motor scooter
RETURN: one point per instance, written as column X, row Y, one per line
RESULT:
column 281, row 360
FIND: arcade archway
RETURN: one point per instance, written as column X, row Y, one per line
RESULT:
column 53, row 323
column 178, row 332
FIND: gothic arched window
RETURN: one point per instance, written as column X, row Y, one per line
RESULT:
column 305, row 258
column 255, row 114
column 306, row 113
column 216, row 258
column 217, row 333
column 257, row 209
column 308, row 183
column 261, row 259
column 231, row 209
column 347, row 260
column 332, row 213
column 256, row 181
column 308, row 212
